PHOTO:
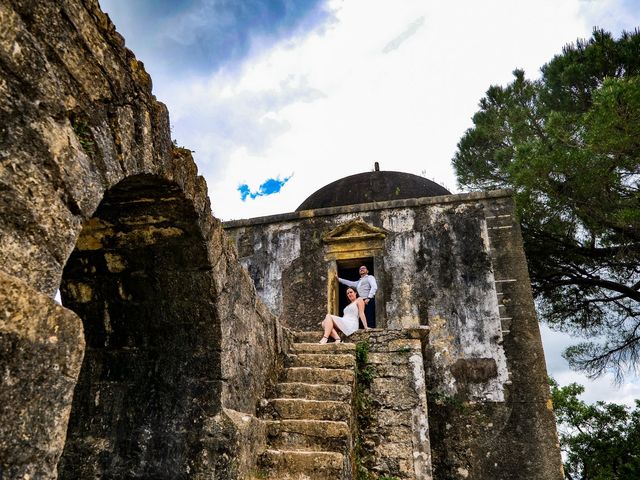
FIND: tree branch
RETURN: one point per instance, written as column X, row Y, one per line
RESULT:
column 598, row 282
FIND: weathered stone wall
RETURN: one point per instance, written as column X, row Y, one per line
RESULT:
column 392, row 411
column 516, row 438
column 41, row 345
column 434, row 269
column 456, row 265
column 96, row 200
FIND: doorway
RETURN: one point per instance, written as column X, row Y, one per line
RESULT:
column 348, row 270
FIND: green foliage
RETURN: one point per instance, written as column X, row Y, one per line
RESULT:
column 179, row 150
column 568, row 145
column 599, row 441
column 83, row 134
column 364, row 371
column 362, row 408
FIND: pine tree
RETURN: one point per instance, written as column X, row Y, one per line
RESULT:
column 568, row 144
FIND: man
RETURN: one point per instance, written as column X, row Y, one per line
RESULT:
column 367, row 288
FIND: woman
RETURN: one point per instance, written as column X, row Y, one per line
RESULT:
column 347, row 324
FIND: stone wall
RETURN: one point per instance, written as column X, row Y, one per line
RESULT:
column 97, row 201
column 392, row 408
column 454, row 264
column 41, row 345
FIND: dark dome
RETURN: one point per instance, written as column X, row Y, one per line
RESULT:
column 377, row 186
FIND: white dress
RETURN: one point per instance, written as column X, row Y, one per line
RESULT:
column 349, row 323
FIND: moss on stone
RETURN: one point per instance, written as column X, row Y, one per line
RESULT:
column 83, row 134
column 362, row 410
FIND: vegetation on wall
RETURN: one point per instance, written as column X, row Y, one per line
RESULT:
column 362, row 409
column 179, row 150
column 83, row 134
column 568, row 144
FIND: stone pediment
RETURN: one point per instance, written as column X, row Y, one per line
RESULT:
column 355, row 239
column 356, row 230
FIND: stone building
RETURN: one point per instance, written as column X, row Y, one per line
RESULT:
column 175, row 356
column 451, row 272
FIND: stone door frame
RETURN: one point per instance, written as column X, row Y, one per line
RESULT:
column 353, row 241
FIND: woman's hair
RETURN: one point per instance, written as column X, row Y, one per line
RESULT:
column 354, row 291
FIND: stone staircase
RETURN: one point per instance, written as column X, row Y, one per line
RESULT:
column 309, row 420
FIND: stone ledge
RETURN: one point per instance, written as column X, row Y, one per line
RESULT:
column 390, row 340
column 365, row 207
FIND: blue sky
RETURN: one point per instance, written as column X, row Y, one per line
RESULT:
column 270, row 187
column 201, row 36
column 278, row 98
column 325, row 88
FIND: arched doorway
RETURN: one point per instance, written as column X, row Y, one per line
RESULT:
column 139, row 278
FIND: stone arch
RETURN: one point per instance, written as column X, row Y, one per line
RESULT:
column 140, row 279
column 85, row 142
column 85, row 147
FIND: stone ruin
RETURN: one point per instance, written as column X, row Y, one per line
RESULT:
column 184, row 348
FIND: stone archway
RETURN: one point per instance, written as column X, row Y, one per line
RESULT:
column 82, row 135
column 94, row 196
column 140, row 279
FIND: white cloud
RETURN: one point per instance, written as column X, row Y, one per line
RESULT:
column 404, row 36
column 612, row 15
column 387, row 81
column 331, row 103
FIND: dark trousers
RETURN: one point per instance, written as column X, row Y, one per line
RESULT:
column 370, row 313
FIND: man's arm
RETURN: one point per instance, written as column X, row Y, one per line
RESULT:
column 374, row 286
column 348, row 283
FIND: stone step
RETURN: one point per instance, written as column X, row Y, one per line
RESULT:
column 310, row 391
column 303, row 409
column 301, row 465
column 308, row 337
column 319, row 375
column 342, row 347
column 322, row 360
column 315, row 435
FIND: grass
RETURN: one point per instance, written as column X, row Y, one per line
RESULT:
column 180, row 150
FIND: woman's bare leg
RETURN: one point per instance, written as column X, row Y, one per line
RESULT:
column 327, row 324
column 334, row 334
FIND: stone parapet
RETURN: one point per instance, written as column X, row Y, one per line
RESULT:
column 97, row 202
column 365, row 207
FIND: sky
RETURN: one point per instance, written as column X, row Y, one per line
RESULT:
column 277, row 98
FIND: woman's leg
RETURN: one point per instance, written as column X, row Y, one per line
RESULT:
column 334, row 334
column 327, row 324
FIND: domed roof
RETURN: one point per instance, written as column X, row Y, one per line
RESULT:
column 376, row 186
